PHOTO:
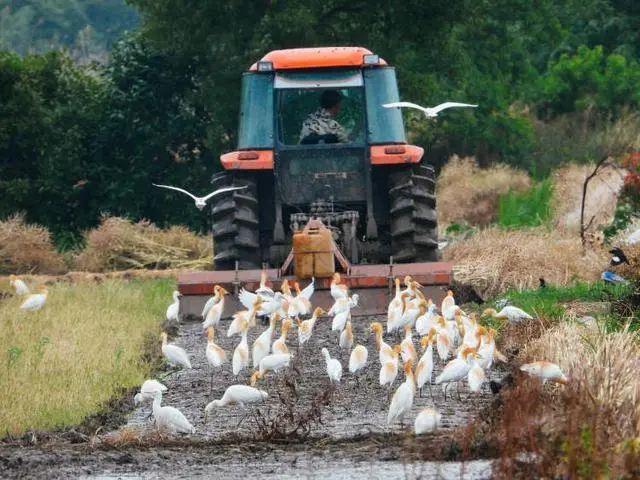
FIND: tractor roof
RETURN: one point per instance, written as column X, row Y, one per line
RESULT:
column 320, row 57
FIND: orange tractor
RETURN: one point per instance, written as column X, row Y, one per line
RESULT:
column 322, row 183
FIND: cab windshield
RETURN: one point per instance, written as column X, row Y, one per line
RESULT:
column 332, row 111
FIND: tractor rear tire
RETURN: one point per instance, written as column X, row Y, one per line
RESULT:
column 236, row 224
column 414, row 226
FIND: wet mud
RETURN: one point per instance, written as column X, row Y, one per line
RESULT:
column 306, row 429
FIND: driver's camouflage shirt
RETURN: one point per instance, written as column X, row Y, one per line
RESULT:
column 321, row 122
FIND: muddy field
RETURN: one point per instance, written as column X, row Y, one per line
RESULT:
column 336, row 432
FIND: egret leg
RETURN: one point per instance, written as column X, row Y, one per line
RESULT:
column 431, row 391
column 446, row 385
column 458, row 390
column 211, row 385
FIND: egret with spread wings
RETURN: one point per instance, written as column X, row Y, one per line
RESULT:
column 429, row 111
column 201, row 201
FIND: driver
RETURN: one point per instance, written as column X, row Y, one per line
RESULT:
column 322, row 121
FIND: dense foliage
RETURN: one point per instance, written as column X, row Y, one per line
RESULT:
column 83, row 140
column 87, row 27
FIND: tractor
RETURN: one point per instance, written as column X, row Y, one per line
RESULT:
column 369, row 188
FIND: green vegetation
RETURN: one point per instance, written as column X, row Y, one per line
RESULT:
column 548, row 302
column 90, row 337
column 79, row 139
column 531, row 208
column 86, row 27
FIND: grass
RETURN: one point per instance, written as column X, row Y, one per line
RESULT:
column 80, row 350
column 469, row 194
column 530, row 208
column 495, row 260
column 548, row 302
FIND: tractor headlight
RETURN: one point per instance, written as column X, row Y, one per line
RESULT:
column 371, row 59
column 264, row 66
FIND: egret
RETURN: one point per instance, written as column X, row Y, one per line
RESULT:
column 280, row 345
column 174, row 308
column 241, row 353
column 389, row 369
column 262, row 344
column 215, row 355
column 429, row 112
column 402, row 400
column 236, row 394
column 35, row 301
column 338, row 290
column 19, row 285
column 511, row 313
column 305, row 328
column 301, row 304
column 212, row 318
column 456, row 369
column 170, row 417
column 408, row 350
column 174, row 354
column 334, row 368
column 346, row 337
column 546, row 371
column 340, row 318
column 201, row 202
column 148, row 391
column 274, row 363
column 242, row 316
column 358, row 359
column 218, row 293
column 424, row 369
column 427, row 421
column 385, row 352
column 427, row 320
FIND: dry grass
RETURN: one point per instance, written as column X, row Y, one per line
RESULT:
column 27, row 248
column 602, row 195
column 65, row 361
column 467, row 193
column 494, row 260
column 587, row 429
column 119, row 244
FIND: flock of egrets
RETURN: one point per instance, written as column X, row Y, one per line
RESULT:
column 449, row 335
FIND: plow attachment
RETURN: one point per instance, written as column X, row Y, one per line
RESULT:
column 313, row 255
column 374, row 284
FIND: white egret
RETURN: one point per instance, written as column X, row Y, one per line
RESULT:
column 174, row 308
column 35, row 301
column 240, row 395
column 546, row 371
column 19, row 285
column 148, row 391
column 170, row 417
column 201, row 202
column 427, row 421
column 429, row 112
column 334, row 368
column 174, row 354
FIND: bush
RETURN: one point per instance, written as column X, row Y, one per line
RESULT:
column 27, row 248
column 530, row 208
column 120, row 244
column 469, row 194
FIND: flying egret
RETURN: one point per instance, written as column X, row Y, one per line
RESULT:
column 201, row 201
column 170, row 417
column 428, row 111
